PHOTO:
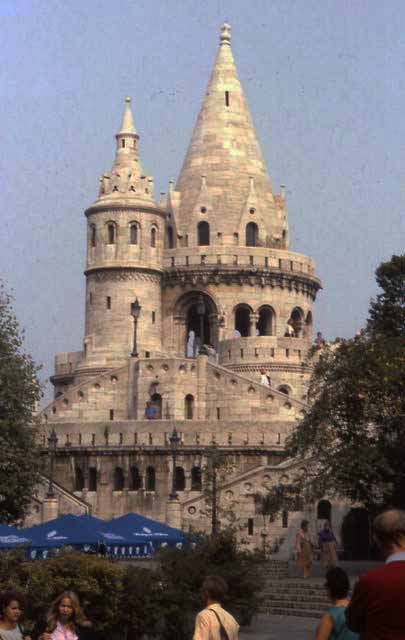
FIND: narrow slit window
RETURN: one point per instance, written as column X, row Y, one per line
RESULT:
column 123, row 143
column 227, row 98
column 153, row 317
column 111, row 234
column 108, row 302
column 133, row 234
column 111, row 414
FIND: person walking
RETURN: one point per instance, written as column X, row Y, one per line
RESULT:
column 303, row 548
column 214, row 622
column 328, row 545
column 376, row 609
column 66, row 621
column 11, row 609
column 332, row 625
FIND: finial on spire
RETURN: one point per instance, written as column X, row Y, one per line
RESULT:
column 127, row 125
column 225, row 37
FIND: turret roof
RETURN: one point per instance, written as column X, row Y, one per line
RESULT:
column 223, row 148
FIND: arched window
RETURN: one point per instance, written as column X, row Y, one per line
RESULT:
column 236, row 238
column 242, row 321
column 93, row 235
column 135, row 479
column 153, row 237
column 150, row 481
column 111, row 233
column 324, row 510
column 203, row 233
column 157, row 403
column 118, row 479
column 196, row 479
column 252, row 235
column 92, row 479
column 265, row 325
column 284, row 389
column 133, row 233
column 188, row 406
column 180, row 479
column 170, row 238
column 296, row 321
column 79, row 480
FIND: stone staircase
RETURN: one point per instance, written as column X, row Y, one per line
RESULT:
column 286, row 596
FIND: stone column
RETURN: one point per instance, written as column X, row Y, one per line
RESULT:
column 173, row 514
column 50, row 509
column 253, row 320
column 201, row 408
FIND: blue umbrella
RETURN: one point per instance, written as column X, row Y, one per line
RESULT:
column 11, row 537
column 135, row 526
column 81, row 532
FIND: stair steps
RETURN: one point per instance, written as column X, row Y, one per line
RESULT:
column 286, row 596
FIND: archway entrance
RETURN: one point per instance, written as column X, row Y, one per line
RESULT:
column 197, row 318
column 356, row 535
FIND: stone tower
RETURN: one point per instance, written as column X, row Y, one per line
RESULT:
column 124, row 258
column 232, row 246
column 222, row 301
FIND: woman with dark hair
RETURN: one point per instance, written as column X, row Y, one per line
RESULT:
column 65, row 621
column 11, row 608
column 303, row 548
column 327, row 544
column 333, row 623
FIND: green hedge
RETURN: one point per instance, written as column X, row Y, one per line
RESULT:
column 129, row 602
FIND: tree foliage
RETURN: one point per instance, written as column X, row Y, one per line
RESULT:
column 19, row 392
column 354, row 433
column 280, row 497
column 126, row 601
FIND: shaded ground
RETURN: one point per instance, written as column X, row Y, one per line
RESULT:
column 280, row 628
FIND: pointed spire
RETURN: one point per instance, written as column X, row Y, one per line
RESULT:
column 223, row 146
column 127, row 120
column 127, row 141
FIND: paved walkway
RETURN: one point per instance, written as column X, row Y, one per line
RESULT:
column 280, row 628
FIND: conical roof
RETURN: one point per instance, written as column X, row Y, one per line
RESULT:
column 223, row 148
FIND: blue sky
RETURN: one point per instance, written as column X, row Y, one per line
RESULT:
column 325, row 85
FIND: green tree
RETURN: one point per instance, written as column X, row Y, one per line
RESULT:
column 19, row 392
column 353, row 436
column 279, row 498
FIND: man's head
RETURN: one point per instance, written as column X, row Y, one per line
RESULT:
column 389, row 531
column 213, row 589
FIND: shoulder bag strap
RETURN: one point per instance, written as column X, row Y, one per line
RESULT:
column 224, row 633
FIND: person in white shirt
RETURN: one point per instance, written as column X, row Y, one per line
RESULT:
column 214, row 622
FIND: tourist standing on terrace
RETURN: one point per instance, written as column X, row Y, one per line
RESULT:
column 327, row 544
column 303, row 548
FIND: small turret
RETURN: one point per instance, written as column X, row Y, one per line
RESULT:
column 127, row 139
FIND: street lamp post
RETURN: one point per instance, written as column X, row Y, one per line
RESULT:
column 214, row 490
column 52, row 443
column 135, row 311
column 201, row 314
column 174, row 440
